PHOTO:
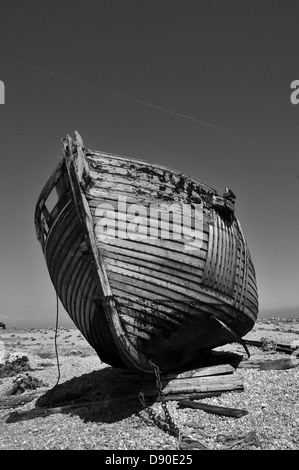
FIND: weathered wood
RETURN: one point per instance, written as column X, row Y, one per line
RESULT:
column 183, row 385
column 193, row 396
column 68, row 406
column 126, row 350
column 148, row 223
column 159, row 282
column 154, row 297
column 202, row 395
column 145, row 262
column 280, row 347
column 141, row 253
column 156, row 276
column 167, row 289
column 270, row 364
column 14, row 401
column 218, row 410
column 41, row 412
column 220, row 369
column 102, row 159
column 40, row 206
column 177, row 247
column 156, row 181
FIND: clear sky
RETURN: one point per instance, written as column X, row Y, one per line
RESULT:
column 200, row 86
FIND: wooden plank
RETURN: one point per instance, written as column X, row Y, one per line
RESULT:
column 131, row 281
column 153, row 275
column 178, row 318
column 147, row 289
column 149, row 306
column 151, row 262
column 208, row 268
column 170, row 246
column 250, row 297
column 218, row 410
column 270, row 364
column 156, row 254
column 84, row 289
column 99, row 160
column 207, row 371
column 178, row 307
column 233, row 257
column 240, row 276
column 67, row 229
column 197, row 396
column 74, row 292
column 280, row 347
column 64, row 271
column 220, row 253
column 156, row 312
column 18, row 400
column 229, row 261
column 216, row 383
column 140, row 318
column 167, row 289
column 141, row 330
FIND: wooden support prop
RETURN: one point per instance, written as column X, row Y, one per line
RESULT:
column 218, row 378
column 218, row 410
column 220, row 369
column 202, row 384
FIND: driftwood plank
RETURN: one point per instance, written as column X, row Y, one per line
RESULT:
column 201, row 395
column 218, row 410
column 14, row 401
column 43, row 412
column 194, row 396
column 270, row 364
column 186, row 386
column 280, row 347
column 65, row 406
column 220, row 369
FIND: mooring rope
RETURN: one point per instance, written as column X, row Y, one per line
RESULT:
column 55, row 340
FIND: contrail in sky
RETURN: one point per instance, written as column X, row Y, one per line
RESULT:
column 126, row 97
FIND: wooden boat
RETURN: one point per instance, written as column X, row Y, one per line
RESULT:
column 141, row 300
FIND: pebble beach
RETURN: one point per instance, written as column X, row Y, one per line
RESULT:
column 271, row 398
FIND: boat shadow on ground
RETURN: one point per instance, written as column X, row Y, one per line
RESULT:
column 108, row 395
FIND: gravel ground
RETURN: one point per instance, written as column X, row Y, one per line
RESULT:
column 270, row 397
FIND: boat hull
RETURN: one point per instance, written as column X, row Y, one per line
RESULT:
column 141, row 289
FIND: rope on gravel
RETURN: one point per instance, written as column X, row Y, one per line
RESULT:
column 56, row 351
